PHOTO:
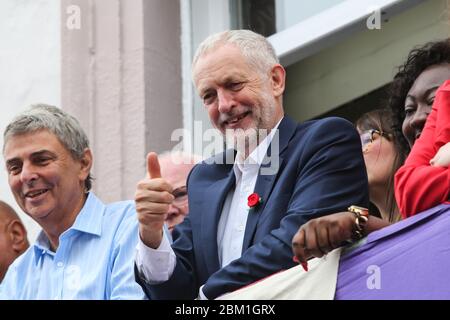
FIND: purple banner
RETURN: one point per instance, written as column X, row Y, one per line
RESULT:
column 407, row 260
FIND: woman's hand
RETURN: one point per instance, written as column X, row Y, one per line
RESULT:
column 442, row 157
column 319, row 236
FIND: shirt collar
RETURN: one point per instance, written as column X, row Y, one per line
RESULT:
column 89, row 220
column 41, row 246
column 255, row 159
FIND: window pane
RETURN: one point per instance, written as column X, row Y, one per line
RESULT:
column 290, row 12
column 270, row 16
column 255, row 15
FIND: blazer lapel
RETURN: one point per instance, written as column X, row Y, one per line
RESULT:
column 212, row 204
column 268, row 174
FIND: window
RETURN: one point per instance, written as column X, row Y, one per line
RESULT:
column 256, row 15
column 268, row 17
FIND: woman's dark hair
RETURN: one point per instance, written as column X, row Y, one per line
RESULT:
column 381, row 120
column 419, row 59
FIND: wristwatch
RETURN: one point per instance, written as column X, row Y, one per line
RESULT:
column 361, row 218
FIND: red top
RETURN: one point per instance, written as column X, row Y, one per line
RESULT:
column 418, row 185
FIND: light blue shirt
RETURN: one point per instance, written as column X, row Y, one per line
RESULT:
column 94, row 260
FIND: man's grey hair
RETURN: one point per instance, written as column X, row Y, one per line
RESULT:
column 255, row 48
column 64, row 126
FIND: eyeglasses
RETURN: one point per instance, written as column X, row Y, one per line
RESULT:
column 180, row 195
column 370, row 136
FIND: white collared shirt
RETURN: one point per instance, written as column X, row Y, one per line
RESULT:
column 157, row 265
column 233, row 219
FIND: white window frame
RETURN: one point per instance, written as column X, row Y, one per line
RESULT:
column 332, row 26
column 199, row 18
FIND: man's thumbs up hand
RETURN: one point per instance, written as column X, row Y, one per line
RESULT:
column 153, row 198
column 153, row 169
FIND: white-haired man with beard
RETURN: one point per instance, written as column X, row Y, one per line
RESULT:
column 243, row 213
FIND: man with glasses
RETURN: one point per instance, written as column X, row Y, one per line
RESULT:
column 13, row 237
column 175, row 168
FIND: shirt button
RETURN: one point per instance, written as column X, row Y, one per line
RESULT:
column 60, row 264
column 240, row 228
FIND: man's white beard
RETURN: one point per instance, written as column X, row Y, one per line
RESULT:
column 245, row 141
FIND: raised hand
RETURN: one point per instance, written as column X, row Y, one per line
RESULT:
column 153, row 198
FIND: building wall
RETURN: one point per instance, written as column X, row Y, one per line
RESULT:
column 29, row 67
column 121, row 77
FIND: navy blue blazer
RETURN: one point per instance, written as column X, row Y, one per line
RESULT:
column 321, row 171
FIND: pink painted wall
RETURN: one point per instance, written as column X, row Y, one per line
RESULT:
column 121, row 77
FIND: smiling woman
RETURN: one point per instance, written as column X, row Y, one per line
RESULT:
column 414, row 86
column 419, row 186
column 420, row 98
column 423, row 181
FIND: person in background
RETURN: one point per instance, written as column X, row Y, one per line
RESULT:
column 13, row 237
column 423, row 182
column 85, row 249
column 383, row 155
column 175, row 168
column 411, row 96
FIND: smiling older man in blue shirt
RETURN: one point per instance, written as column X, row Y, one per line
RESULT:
column 86, row 248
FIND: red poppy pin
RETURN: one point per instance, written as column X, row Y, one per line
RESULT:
column 253, row 200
